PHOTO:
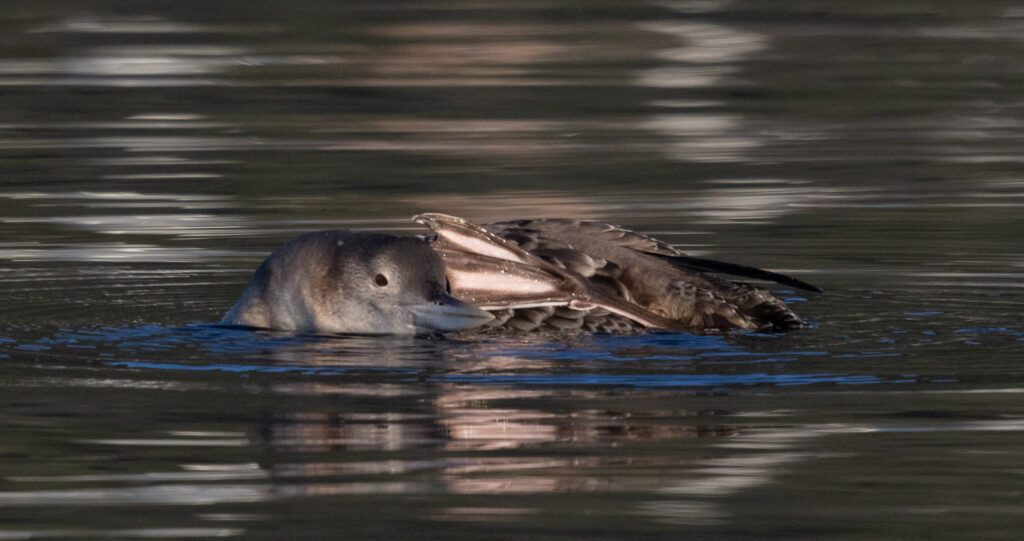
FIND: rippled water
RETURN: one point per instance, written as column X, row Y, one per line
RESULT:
column 151, row 155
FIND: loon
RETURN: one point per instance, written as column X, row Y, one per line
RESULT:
column 524, row 276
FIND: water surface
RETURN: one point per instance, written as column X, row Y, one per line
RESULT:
column 151, row 156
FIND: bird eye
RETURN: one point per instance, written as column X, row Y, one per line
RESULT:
column 380, row 280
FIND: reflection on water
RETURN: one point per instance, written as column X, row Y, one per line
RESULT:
column 339, row 417
column 151, row 155
column 419, row 430
column 129, row 25
column 706, row 56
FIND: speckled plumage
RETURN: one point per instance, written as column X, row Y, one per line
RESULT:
column 531, row 275
column 567, row 275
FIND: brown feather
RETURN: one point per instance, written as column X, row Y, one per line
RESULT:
column 598, row 276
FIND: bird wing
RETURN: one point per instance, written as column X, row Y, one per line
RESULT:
column 493, row 273
column 595, row 232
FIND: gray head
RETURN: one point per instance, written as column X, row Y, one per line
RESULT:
column 353, row 282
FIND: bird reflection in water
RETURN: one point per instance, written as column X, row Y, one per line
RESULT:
column 564, row 440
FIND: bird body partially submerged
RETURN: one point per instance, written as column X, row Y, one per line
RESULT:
column 565, row 274
column 526, row 275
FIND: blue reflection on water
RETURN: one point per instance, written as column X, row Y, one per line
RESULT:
column 659, row 380
column 243, row 368
column 652, row 360
column 987, row 330
column 210, row 338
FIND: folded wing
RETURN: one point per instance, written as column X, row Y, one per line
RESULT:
column 493, row 273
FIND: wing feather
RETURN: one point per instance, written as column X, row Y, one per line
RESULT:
column 477, row 261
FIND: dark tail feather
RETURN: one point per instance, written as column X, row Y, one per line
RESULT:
column 710, row 265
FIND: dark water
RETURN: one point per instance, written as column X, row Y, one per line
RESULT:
column 151, row 153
